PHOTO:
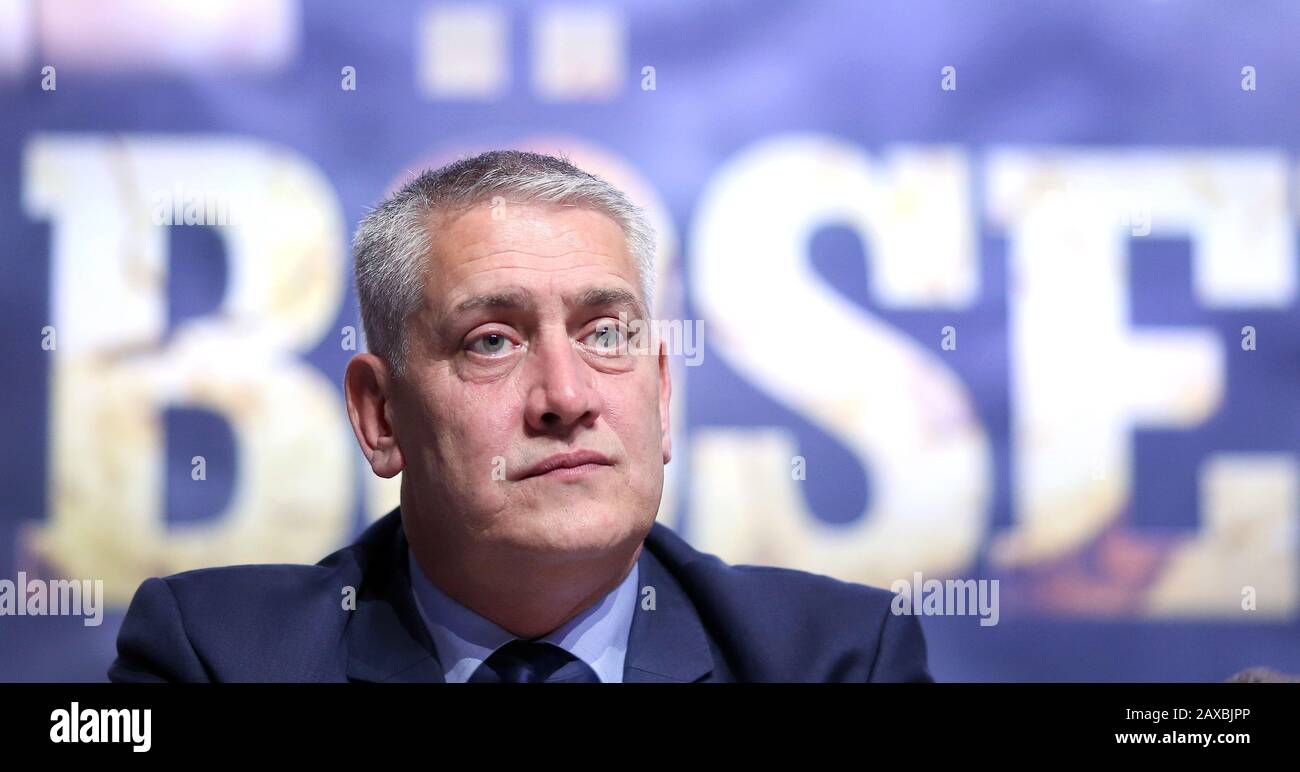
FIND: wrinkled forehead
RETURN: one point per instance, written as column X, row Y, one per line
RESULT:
column 542, row 249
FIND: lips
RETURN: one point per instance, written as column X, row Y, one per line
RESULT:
column 577, row 460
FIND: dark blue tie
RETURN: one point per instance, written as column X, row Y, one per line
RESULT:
column 533, row 662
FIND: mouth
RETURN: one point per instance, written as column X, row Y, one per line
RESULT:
column 573, row 465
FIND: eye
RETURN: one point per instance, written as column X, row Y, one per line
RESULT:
column 607, row 337
column 491, row 344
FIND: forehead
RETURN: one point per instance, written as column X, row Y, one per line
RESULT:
column 540, row 246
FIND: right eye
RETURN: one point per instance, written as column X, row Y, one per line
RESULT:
column 491, row 344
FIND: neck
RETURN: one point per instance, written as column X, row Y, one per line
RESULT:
column 529, row 601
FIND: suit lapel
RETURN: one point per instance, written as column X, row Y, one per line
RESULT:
column 667, row 643
column 386, row 638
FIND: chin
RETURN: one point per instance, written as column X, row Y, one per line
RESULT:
column 587, row 530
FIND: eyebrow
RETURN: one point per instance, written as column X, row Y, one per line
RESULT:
column 504, row 299
column 511, row 299
column 609, row 296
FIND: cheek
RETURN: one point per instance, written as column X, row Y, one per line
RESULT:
column 463, row 428
column 633, row 412
column 480, row 424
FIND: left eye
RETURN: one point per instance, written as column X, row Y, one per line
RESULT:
column 606, row 336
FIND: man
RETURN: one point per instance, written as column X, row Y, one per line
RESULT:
column 505, row 299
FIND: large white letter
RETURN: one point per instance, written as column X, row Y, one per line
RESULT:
column 113, row 373
column 1082, row 377
column 891, row 402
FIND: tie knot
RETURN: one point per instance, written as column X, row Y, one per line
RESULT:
column 521, row 661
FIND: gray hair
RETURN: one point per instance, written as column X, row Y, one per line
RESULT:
column 394, row 238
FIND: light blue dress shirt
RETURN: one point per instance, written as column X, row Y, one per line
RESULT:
column 464, row 639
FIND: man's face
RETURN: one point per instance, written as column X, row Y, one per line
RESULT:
column 517, row 360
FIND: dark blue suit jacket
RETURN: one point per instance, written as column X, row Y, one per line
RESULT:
column 710, row 622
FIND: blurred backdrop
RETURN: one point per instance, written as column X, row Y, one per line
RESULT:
column 1001, row 291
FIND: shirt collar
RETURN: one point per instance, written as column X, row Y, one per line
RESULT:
column 463, row 639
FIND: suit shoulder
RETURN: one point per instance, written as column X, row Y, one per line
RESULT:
column 786, row 624
column 275, row 587
column 797, row 588
column 802, row 586
column 277, row 597
column 254, row 622
column 261, row 583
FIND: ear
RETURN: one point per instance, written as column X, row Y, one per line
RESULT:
column 665, row 395
column 368, row 387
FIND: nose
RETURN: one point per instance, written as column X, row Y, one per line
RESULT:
column 561, row 392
